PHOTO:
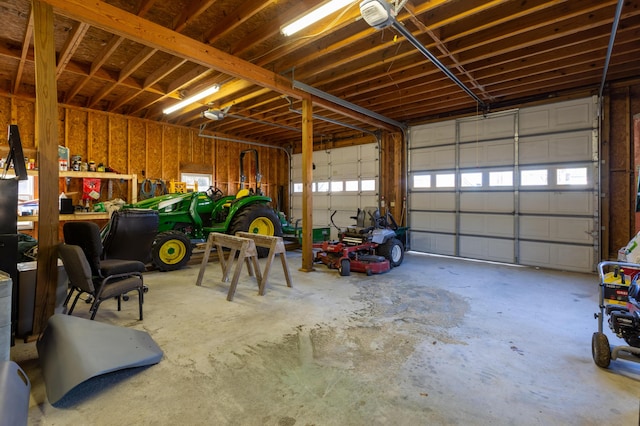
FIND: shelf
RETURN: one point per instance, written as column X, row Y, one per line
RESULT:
column 72, row 174
column 69, row 217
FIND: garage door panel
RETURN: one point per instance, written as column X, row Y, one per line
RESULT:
column 567, row 230
column 487, row 224
column 343, row 202
column 433, row 243
column 369, row 169
column 487, row 249
column 484, row 128
column 433, row 201
column 569, row 203
column 433, row 134
column 347, row 155
column 321, row 172
column 435, row 222
column 558, row 256
column 497, row 202
column 495, row 153
column 321, row 201
column 433, row 158
column 562, row 116
column 368, row 153
column 575, row 146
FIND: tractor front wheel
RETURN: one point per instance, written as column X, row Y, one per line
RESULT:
column 171, row 250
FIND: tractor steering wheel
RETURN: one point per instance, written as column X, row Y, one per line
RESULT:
column 214, row 193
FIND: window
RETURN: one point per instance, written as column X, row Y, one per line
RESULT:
column 422, row 181
column 501, row 178
column 26, row 189
column 574, row 176
column 337, row 186
column 369, row 185
column 203, row 181
column 471, row 179
column 446, row 180
column 297, row 187
column 323, row 186
column 351, row 185
column 533, row 177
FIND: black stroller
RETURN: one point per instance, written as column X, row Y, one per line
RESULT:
column 619, row 294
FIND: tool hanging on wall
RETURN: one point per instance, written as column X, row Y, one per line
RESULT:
column 150, row 188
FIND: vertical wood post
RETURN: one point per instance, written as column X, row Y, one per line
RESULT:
column 46, row 135
column 307, row 178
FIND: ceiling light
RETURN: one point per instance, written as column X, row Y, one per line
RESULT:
column 191, row 99
column 376, row 13
column 314, row 16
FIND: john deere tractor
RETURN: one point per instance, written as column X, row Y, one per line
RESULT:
column 188, row 218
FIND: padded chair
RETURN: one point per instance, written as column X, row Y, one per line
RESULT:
column 87, row 236
column 82, row 281
column 129, row 234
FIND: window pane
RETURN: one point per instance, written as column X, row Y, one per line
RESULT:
column 501, row 178
column 313, row 187
column 323, row 186
column 533, row 177
column 422, row 181
column 351, row 185
column 471, row 179
column 446, row 181
column 297, row 187
column 336, row 186
column 369, row 185
column 191, row 179
column 575, row 176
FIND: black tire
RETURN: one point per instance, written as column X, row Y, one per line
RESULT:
column 600, row 350
column 257, row 219
column 393, row 251
column 171, row 250
column 345, row 268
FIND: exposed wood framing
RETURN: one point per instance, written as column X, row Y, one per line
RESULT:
column 47, row 142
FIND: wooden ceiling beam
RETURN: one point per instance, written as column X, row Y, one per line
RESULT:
column 191, row 13
column 241, row 14
column 26, row 42
column 141, row 57
column 70, row 46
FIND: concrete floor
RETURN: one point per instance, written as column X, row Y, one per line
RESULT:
column 437, row 341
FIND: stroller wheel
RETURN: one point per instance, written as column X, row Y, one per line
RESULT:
column 600, row 350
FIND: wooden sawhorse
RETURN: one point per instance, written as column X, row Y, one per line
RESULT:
column 275, row 246
column 248, row 254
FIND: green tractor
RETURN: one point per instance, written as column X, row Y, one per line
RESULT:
column 187, row 218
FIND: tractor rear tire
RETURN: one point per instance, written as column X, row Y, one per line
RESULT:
column 257, row 219
column 171, row 250
column 393, row 251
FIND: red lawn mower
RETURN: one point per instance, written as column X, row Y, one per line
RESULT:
column 373, row 246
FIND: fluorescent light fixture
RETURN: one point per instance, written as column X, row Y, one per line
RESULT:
column 314, row 16
column 191, row 99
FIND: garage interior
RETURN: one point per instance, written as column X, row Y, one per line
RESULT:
column 495, row 131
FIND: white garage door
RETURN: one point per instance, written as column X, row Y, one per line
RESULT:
column 344, row 179
column 519, row 186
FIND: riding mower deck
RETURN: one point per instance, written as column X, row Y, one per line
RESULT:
column 370, row 249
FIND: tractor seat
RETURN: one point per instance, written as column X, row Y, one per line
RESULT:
column 241, row 194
